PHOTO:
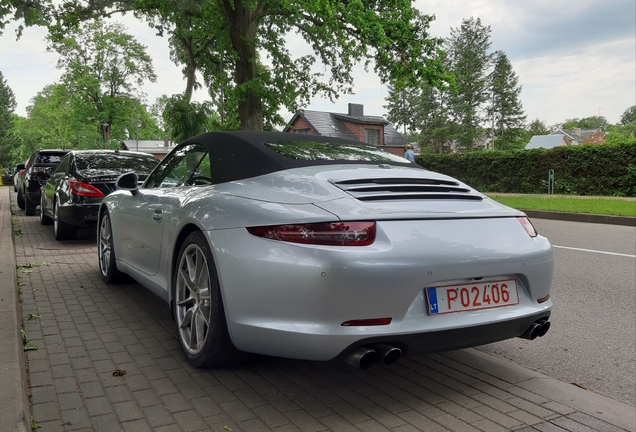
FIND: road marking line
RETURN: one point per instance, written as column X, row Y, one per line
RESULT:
column 595, row 251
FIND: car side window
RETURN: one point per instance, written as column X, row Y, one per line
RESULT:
column 185, row 166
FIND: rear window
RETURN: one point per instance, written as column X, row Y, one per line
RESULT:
column 139, row 163
column 332, row 151
column 48, row 159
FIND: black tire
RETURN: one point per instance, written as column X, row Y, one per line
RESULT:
column 200, row 300
column 29, row 207
column 20, row 200
column 44, row 219
column 63, row 231
column 105, row 252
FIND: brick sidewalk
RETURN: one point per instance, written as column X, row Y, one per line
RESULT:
column 85, row 330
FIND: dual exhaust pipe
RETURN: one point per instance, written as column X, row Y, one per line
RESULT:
column 537, row 329
column 365, row 357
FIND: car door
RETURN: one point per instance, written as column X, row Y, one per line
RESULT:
column 155, row 209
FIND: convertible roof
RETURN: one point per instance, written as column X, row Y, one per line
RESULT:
column 241, row 155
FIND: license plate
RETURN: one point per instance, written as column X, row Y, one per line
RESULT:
column 473, row 296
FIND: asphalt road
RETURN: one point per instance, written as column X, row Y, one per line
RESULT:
column 593, row 335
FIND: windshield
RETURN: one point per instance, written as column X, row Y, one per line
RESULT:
column 136, row 162
column 332, row 151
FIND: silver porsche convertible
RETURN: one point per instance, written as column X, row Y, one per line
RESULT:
column 310, row 247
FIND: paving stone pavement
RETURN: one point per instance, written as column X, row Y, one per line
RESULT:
column 107, row 359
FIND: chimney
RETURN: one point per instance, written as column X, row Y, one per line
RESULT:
column 577, row 131
column 356, row 110
column 165, row 141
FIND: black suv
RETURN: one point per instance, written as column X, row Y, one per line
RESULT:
column 37, row 170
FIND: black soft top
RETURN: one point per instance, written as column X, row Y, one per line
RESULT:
column 240, row 155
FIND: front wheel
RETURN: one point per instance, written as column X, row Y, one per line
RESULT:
column 63, row 231
column 105, row 253
column 20, row 200
column 198, row 307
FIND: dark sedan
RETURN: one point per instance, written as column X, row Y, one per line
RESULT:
column 72, row 194
column 36, row 170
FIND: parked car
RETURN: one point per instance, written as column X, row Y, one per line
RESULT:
column 17, row 181
column 7, row 176
column 36, row 170
column 316, row 248
column 75, row 189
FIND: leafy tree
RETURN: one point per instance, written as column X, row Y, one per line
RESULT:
column 102, row 66
column 593, row 122
column 629, row 115
column 185, row 118
column 7, row 106
column 402, row 106
column 224, row 39
column 436, row 127
column 506, row 112
column 31, row 12
column 537, row 127
column 469, row 62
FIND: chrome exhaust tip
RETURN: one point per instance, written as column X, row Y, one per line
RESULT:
column 388, row 354
column 362, row 357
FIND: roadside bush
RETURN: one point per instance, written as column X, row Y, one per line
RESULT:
column 608, row 169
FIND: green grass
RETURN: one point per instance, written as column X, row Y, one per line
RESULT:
column 570, row 204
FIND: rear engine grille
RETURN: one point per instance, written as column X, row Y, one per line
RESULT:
column 405, row 189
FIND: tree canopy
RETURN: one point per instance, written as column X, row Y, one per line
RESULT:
column 239, row 46
column 102, row 66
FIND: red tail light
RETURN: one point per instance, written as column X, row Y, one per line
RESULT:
column 527, row 225
column 328, row 234
column 85, row 190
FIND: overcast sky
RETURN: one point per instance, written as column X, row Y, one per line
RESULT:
column 574, row 58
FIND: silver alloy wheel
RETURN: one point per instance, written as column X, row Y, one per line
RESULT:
column 193, row 299
column 104, row 246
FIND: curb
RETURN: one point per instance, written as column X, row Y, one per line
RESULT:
column 593, row 404
column 581, row 217
column 14, row 395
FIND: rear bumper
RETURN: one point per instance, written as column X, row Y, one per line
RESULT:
column 80, row 215
column 294, row 298
column 447, row 340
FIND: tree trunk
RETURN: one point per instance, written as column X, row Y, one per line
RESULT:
column 191, row 67
column 243, row 32
column 106, row 135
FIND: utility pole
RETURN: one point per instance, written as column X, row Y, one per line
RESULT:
column 137, row 125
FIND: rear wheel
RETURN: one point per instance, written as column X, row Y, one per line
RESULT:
column 63, row 231
column 20, row 200
column 105, row 253
column 198, row 307
column 44, row 219
column 29, row 207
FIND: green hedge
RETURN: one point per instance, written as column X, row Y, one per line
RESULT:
column 608, row 169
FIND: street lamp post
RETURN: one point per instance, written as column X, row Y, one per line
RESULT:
column 136, row 126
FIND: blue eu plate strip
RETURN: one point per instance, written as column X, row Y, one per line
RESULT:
column 432, row 299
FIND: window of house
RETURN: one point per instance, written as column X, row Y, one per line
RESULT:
column 302, row 131
column 372, row 136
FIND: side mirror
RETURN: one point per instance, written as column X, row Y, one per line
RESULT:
column 19, row 167
column 129, row 182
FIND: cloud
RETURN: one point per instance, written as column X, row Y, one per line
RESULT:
column 594, row 80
